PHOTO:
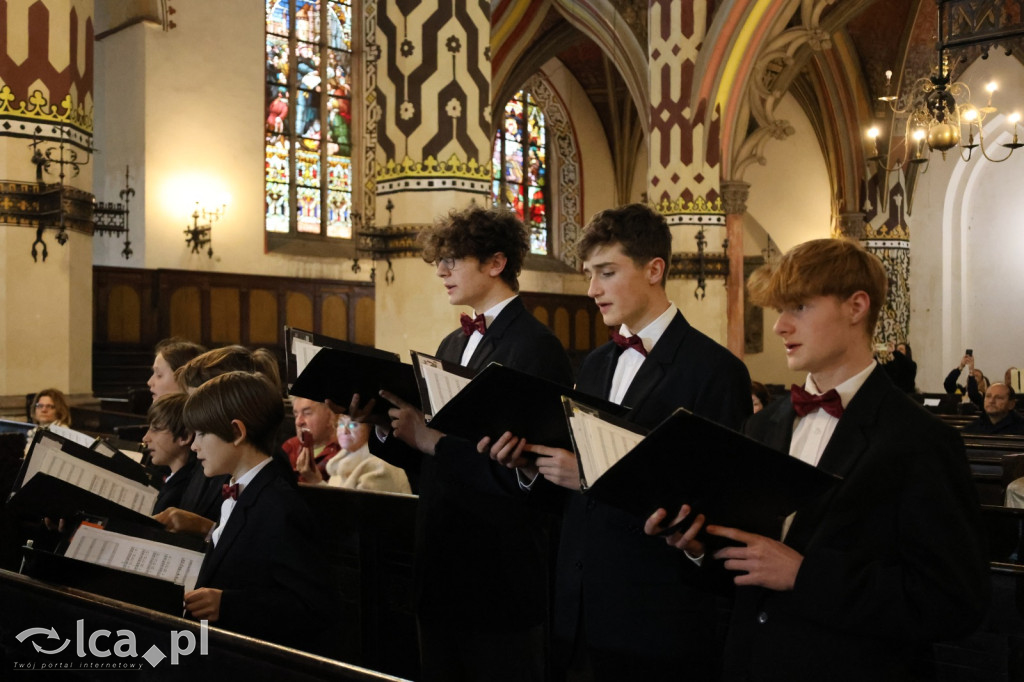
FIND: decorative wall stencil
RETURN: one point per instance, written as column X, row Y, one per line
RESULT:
column 435, row 97
column 681, row 183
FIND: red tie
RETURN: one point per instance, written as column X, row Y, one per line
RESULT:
column 231, row 491
column 632, row 342
column 471, row 324
column 804, row 403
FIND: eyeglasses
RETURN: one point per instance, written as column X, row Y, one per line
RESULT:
column 448, row 263
column 45, row 406
column 350, row 426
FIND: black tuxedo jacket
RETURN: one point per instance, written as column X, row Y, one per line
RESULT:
column 628, row 591
column 269, row 566
column 894, row 556
column 171, row 493
column 481, row 554
column 202, row 495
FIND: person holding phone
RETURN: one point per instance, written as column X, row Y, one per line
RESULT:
column 976, row 384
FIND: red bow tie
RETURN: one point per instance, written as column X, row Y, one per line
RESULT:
column 804, row 403
column 471, row 324
column 231, row 491
column 632, row 342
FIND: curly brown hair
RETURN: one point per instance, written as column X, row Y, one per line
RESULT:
column 480, row 233
column 642, row 233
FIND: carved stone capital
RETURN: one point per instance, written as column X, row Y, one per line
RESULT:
column 852, row 225
column 734, row 196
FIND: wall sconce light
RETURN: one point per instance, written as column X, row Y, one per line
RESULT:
column 201, row 234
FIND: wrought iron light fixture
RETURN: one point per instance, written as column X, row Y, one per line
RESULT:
column 112, row 219
column 201, row 234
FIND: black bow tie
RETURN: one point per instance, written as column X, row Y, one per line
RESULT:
column 804, row 403
column 632, row 342
column 471, row 324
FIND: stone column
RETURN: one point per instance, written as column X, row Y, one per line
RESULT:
column 433, row 147
column 734, row 201
column 46, row 109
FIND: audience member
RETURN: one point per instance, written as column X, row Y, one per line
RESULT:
column 171, row 354
column 315, row 434
column 859, row 582
column 901, row 367
column 1000, row 415
column 354, row 467
column 263, row 572
column 759, row 396
column 50, row 407
column 169, row 444
column 976, row 385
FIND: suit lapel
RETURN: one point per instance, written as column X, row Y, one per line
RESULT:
column 654, row 367
column 236, row 523
column 492, row 338
column 847, row 445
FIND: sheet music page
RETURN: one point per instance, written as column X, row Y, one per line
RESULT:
column 136, row 555
column 441, row 385
column 48, row 458
column 73, row 436
column 304, row 352
column 600, row 444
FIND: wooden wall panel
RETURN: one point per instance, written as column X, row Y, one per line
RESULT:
column 334, row 317
column 225, row 316
column 582, row 330
column 365, row 319
column 186, row 313
column 124, row 311
column 298, row 310
column 561, row 327
column 263, row 318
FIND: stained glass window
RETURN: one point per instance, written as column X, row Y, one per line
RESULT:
column 308, row 64
column 520, row 167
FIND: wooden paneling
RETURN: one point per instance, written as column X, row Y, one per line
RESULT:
column 263, row 318
column 334, row 317
column 582, row 330
column 225, row 316
column 365, row 318
column 185, row 313
column 298, row 310
column 561, row 327
column 123, row 323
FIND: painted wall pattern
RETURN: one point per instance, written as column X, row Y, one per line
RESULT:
column 887, row 235
column 434, row 97
column 682, row 185
column 46, row 70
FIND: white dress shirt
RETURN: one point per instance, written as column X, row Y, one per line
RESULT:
column 631, row 359
column 229, row 504
column 812, row 432
column 476, row 336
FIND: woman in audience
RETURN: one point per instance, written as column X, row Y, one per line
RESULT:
column 50, row 407
column 354, row 467
column 171, row 354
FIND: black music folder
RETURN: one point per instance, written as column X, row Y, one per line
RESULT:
column 501, row 399
column 731, row 479
column 59, row 478
column 301, row 346
column 336, row 374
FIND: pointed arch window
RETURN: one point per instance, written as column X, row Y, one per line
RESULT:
column 308, row 130
column 520, row 168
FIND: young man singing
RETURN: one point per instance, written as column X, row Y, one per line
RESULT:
column 481, row 562
column 625, row 608
column 859, row 582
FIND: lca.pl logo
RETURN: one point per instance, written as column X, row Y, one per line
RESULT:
column 102, row 645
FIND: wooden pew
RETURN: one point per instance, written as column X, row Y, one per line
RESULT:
column 995, row 461
column 29, row 603
column 368, row 539
column 102, row 422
